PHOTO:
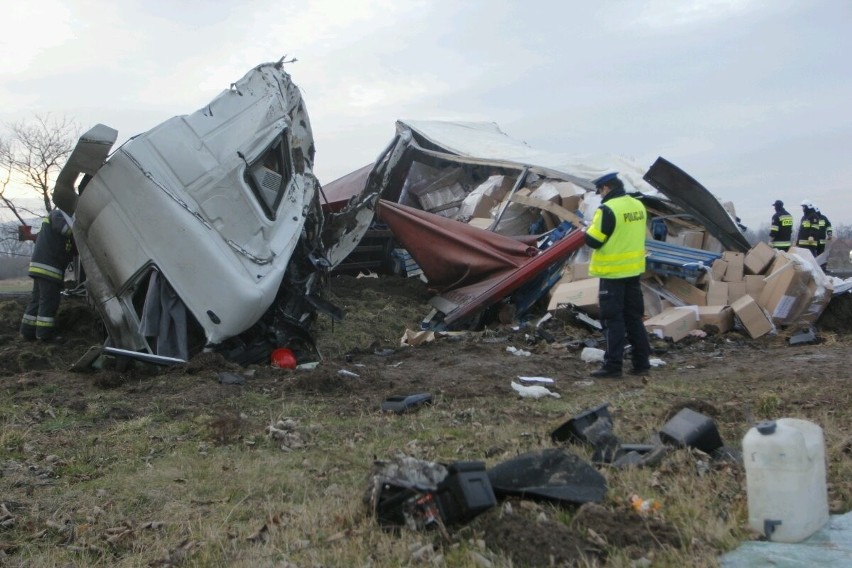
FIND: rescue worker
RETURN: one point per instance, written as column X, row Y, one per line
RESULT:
column 824, row 231
column 617, row 235
column 808, row 235
column 51, row 255
column 781, row 227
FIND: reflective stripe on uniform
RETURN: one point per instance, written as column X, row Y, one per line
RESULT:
column 42, row 321
column 39, row 269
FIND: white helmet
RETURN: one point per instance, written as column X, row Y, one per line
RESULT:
column 807, row 203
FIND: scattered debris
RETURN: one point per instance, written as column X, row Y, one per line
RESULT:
column 405, row 403
column 690, row 429
column 533, row 391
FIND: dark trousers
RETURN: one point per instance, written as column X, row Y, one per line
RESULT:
column 39, row 321
column 622, row 308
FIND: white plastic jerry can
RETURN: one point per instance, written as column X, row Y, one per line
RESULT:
column 785, row 479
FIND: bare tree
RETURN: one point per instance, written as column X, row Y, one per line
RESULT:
column 31, row 156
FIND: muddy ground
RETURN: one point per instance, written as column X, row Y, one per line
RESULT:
column 735, row 379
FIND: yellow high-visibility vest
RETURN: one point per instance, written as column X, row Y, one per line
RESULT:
column 623, row 252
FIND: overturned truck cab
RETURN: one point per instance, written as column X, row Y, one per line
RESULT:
column 206, row 231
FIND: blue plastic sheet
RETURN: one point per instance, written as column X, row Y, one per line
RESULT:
column 831, row 546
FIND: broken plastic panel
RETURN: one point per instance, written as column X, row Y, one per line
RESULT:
column 692, row 429
column 552, row 474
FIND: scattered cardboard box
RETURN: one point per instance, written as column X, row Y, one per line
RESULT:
column 719, row 318
column 579, row 270
column 751, row 317
column 685, row 291
column 581, row 293
column 754, row 285
column 734, row 270
column 758, row 259
column 673, row 323
column 718, row 269
column 736, row 290
column 717, row 293
column 481, row 222
column 712, row 244
column 786, row 293
column 692, row 239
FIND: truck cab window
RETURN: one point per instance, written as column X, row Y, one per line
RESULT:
column 269, row 175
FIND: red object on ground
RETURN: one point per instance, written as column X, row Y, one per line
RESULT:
column 283, row 358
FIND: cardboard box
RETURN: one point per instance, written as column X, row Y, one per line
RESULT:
column 717, row 293
column 692, row 239
column 673, row 323
column 786, row 293
column 820, row 297
column 579, row 270
column 582, row 293
column 754, row 285
column 652, row 302
column 718, row 269
column 719, row 318
column 571, row 195
column 751, row 317
column 758, row 259
column 734, row 271
column 685, row 291
column 736, row 290
column 481, row 222
column 712, row 244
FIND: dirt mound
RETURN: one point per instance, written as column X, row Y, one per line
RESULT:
column 531, row 542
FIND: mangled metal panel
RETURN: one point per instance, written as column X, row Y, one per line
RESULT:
column 223, row 205
column 694, row 198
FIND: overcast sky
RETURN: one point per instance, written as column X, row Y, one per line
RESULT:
column 750, row 97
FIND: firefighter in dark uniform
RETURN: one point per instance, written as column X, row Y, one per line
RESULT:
column 808, row 234
column 781, row 227
column 51, row 255
column 824, row 231
column 617, row 235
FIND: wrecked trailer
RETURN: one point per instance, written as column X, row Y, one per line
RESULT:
column 206, row 232
column 480, row 213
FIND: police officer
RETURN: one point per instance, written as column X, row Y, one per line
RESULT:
column 781, row 227
column 51, row 255
column 808, row 234
column 617, row 235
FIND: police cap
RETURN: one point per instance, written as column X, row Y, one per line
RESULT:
column 778, row 203
column 601, row 181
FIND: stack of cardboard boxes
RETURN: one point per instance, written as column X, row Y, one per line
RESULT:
column 760, row 289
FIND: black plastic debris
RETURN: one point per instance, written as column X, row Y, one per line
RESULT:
column 692, row 429
column 406, row 403
column 574, row 429
column 646, row 455
column 552, row 474
column 465, row 492
column 422, row 495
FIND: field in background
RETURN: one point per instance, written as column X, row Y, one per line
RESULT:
column 16, row 285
